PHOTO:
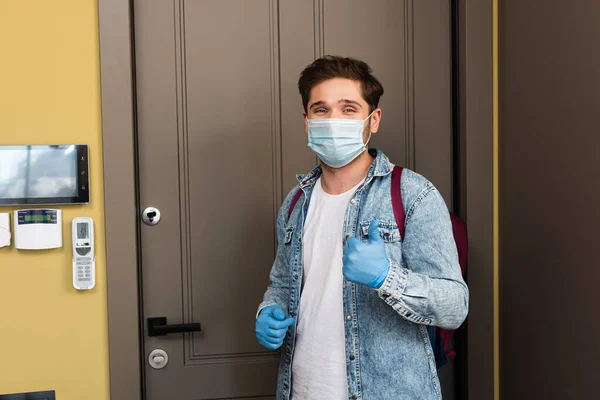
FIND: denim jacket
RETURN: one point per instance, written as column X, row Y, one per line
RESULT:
column 388, row 353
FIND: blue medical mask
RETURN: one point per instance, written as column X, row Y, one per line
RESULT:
column 337, row 141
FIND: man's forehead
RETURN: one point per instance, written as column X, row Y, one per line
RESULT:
column 337, row 91
column 339, row 85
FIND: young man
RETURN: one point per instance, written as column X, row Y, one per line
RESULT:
column 348, row 297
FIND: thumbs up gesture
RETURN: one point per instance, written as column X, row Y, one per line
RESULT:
column 366, row 263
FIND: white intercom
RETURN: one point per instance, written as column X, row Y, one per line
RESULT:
column 84, row 261
column 38, row 229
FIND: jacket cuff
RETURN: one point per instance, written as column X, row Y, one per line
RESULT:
column 394, row 283
column 263, row 305
column 392, row 292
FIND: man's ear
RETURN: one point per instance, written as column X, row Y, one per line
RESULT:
column 304, row 116
column 375, row 119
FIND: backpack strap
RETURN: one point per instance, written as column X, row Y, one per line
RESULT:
column 459, row 230
column 439, row 338
column 397, row 205
column 294, row 201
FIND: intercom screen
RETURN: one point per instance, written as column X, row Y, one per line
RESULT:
column 46, row 174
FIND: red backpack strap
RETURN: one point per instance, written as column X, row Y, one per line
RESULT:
column 459, row 230
column 397, row 205
column 294, row 201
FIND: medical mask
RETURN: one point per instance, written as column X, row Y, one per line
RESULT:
column 337, row 141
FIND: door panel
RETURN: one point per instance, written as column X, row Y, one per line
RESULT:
column 549, row 196
column 374, row 31
column 433, row 94
column 216, row 187
column 297, row 48
column 220, row 139
column 231, row 148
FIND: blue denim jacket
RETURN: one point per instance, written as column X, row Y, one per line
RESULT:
column 388, row 352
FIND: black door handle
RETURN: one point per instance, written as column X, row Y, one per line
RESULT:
column 157, row 326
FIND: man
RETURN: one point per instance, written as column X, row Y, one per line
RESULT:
column 351, row 299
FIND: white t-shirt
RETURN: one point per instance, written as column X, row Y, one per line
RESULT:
column 319, row 365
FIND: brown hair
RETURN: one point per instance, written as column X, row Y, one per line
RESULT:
column 329, row 67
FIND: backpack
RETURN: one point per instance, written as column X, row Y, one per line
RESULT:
column 440, row 338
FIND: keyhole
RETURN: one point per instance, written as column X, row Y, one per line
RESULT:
column 151, row 216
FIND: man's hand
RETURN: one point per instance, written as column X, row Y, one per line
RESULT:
column 271, row 327
column 366, row 263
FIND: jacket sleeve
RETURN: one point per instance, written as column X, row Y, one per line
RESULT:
column 426, row 286
column 278, row 291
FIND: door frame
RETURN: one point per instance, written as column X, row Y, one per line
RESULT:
column 475, row 126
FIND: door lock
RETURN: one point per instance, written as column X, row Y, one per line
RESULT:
column 151, row 216
column 158, row 359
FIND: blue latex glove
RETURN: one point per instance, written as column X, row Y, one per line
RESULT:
column 366, row 263
column 271, row 327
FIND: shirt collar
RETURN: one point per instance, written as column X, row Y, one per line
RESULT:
column 381, row 166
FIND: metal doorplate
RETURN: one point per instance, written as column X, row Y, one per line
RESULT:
column 158, row 359
column 151, row 216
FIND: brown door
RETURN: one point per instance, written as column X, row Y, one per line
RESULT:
column 549, row 196
column 220, row 139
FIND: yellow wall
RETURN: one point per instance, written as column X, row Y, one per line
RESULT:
column 51, row 336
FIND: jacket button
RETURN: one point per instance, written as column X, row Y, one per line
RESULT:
column 349, row 318
column 351, row 357
column 353, row 201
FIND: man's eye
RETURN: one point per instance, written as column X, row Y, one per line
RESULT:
column 320, row 110
column 349, row 110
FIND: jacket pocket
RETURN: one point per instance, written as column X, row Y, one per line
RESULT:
column 388, row 231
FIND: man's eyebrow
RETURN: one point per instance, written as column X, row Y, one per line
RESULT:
column 345, row 101
column 317, row 103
